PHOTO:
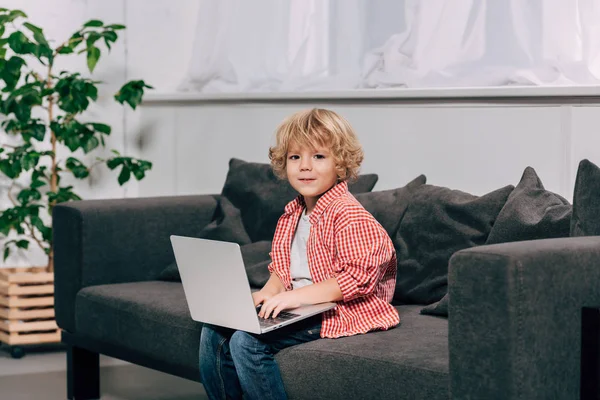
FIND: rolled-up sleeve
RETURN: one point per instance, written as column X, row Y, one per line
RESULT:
column 279, row 268
column 364, row 251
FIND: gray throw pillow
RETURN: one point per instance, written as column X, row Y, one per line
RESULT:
column 256, row 260
column 388, row 206
column 586, row 201
column 531, row 212
column 261, row 197
column 439, row 222
column 227, row 224
column 439, row 308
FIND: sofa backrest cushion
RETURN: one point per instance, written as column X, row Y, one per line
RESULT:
column 586, row 201
column 254, row 198
column 388, row 206
column 531, row 212
column 439, row 222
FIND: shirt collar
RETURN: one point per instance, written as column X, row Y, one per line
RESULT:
column 326, row 199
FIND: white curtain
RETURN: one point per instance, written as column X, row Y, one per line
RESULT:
column 301, row 45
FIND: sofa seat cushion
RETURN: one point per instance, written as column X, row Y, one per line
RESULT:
column 149, row 318
column 152, row 319
column 407, row 362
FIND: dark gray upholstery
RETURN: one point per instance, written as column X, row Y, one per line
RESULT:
column 407, row 362
column 439, row 308
column 438, row 222
column 531, row 212
column 113, row 241
column 149, row 318
column 586, row 204
column 515, row 317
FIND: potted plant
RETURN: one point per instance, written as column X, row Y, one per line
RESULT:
column 41, row 114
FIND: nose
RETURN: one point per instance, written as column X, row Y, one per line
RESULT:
column 305, row 164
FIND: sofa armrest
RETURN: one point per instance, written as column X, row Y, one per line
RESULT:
column 118, row 240
column 515, row 317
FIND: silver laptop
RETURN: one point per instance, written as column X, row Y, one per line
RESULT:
column 217, row 290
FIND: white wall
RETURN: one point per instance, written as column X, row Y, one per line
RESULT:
column 155, row 47
column 475, row 145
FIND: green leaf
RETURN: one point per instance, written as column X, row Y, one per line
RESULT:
column 93, row 55
column 92, row 38
column 26, row 195
column 111, row 36
column 101, row 127
column 65, row 50
column 75, row 40
column 124, row 175
column 19, row 43
column 23, row 244
column 78, row 169
column 114, row 162
column 94, row 23
column 91, row 91
column 6, row 252
column 115, row 27
column 11, row 72
column 17, row 13
column 37, row 184
column 74, row 93
column 90, row 144
column 63, row 195
column 38, row 34
column 132, row 93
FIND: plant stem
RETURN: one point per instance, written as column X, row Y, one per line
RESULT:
column 29, row 226
column 53, row 170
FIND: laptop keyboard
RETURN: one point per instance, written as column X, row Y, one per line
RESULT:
column 281, row 317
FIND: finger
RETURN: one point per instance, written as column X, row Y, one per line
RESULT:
column 263, row 309
column 269, row 306
column 278, row 309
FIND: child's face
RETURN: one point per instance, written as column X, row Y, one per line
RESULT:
column 311, row 171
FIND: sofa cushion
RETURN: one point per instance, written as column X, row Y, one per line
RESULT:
column 438, row 223
column 150, row 318
column 256, row 260
column 531, row 212
column 408, row 362
column 260, row 197
column 439, row 308
column 388, row 206
column 586, row 206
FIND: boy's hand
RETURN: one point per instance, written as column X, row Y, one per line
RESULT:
column 282, row 301
column 260, row 297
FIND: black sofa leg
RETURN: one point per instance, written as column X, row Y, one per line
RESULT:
column 83, row 374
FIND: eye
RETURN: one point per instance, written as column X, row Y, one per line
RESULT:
column 319, row 156
column 293, row 157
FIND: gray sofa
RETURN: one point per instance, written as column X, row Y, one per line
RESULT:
column 513, row 329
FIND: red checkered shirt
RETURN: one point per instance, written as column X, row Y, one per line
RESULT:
column 345, row 242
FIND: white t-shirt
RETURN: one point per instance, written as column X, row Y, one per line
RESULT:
column 298, row 260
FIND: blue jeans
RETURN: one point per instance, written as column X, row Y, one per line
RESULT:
column 236, row 363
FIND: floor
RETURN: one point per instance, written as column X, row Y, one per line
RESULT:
column 41, row 374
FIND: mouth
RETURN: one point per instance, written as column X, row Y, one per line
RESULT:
column 307, row 180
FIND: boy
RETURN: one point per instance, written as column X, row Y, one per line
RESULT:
column 326, row 247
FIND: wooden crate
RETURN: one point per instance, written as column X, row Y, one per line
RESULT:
column 27, row 306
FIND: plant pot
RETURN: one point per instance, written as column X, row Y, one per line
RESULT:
column 27, row 307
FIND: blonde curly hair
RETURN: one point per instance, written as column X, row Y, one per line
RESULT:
column 314, row 128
